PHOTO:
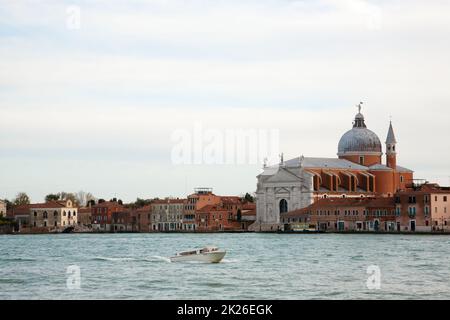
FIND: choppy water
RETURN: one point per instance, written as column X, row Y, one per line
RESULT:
column 257, row 266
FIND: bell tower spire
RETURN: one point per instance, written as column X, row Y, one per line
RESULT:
column 391, row 148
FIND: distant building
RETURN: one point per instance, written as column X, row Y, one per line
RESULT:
column 121, row 221
column 101, row 215
column 247, row 215
column 54, row 215
column 21, row 215
column 220, row 213
column 424, row 207
column 141, row 219
column 201, row 198
column 84, row 216
column 357, row 172
column 419, row 208
column 2, row 209
column 167, row 214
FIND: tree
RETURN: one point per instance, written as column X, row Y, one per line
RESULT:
column 84, row 198
column 9, row 204
column 249, row 198
column 51, row 197
column 141, row 202
column 21, row 199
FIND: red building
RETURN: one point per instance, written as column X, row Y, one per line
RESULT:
column 419, row 208
column 102, row 215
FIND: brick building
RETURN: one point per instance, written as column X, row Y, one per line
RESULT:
column 418, row 208
column 101, row 215
column 141, row 219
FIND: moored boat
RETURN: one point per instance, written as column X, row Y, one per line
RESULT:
column 207, row 254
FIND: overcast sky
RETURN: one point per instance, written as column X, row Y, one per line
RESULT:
column 94, row 108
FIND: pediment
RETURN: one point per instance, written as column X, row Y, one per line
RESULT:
column 284, row 175
column 282, row 190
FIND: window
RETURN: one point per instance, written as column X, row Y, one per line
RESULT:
column 361, row 160
column 283, row 206
column 445, row 198
column 55, row 213
column 401, row 179
column 35, row 214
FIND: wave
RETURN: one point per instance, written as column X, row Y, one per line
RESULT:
column 229, row 261
column 17, row 259
column 124, row 259
column 114, row 259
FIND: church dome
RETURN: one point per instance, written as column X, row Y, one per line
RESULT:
column 359, row 140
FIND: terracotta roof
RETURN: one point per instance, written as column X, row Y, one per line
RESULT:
column 168, row 201
column 108, row 204
column 343, row 203
column 84, row 210
column 49, row 205
column 147, row 208
column 426, row 188
column 249, row 206
column 21, row 210
column 296, row 213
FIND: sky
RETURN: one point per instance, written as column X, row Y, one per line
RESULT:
column 93, row 93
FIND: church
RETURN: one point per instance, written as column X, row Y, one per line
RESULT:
column 358, row 171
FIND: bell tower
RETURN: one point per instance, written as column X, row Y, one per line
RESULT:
column 391, row 149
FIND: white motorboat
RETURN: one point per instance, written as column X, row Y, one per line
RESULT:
column 207, row 254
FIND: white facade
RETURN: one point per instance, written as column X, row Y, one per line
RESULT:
column 281, row 189
column 167, row 215
column 57, row 215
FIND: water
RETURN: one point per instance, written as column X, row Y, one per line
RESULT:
column 257, row 266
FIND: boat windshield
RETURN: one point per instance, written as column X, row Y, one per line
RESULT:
column 209, row 249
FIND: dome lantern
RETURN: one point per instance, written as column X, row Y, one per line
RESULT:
column 360, row 144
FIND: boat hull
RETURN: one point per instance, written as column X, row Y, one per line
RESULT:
column 211, row 257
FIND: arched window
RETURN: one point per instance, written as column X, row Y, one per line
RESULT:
column 283, row 206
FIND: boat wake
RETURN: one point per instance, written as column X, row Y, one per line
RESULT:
column 158, row 259
column 114, row 259
column 125, row 259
